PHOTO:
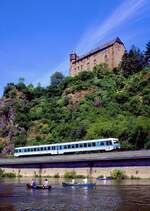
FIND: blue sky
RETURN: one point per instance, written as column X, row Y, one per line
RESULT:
column 37, row 36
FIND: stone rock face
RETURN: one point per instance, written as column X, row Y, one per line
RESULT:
column 8, row 128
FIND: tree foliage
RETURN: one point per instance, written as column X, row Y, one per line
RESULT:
column 147, row 53
column 133, row 61
column 56, row 78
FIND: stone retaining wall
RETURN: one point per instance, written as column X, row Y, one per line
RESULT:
column 141, row 172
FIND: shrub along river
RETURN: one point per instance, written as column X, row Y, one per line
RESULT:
column 127, row 195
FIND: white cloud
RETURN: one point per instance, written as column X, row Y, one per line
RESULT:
column 124, row 12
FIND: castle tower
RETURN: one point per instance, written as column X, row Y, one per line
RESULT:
column 73, row 59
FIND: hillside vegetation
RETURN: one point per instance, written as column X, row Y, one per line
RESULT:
column 96, row 104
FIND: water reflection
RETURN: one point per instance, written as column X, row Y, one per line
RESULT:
column 125, row 196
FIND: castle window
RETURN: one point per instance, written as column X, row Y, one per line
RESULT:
column 88, row 65
column 106, row 58
column 81, row 67
column 95, row 62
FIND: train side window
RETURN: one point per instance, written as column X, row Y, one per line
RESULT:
column 93, row 144
column 77, row 145
column 102, row 143
column 85, row 145
column 89, row 144
column 38, row 149
column 65, row 147
column 68, row 146
column 35, row 149
column 108, row 143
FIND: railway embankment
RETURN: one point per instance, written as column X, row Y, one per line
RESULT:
column 133, row 163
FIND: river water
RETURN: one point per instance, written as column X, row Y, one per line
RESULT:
column 129, row 195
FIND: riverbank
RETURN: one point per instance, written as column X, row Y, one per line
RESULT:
column 139, row 172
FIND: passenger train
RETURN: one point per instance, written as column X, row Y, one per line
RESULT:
column 107, row 144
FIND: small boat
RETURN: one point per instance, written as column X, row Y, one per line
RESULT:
column 87, row 185
column 29, row 186
column 104, row 178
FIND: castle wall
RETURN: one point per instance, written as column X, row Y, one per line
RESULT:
column 111, row 55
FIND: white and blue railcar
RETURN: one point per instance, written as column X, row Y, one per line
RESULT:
column 107, row 144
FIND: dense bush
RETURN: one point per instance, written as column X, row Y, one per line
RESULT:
column 118, row 174
column 70, row 175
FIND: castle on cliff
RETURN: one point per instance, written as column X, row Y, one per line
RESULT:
column 110, row 53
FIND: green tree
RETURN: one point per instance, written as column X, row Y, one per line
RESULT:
column 147, row 53
column 56, row 78
column 9, row 87
column 133, row 62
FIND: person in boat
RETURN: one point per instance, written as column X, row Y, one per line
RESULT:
column 45, row 184
column 73, row 181
column 85, row 181
column 33, row 184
